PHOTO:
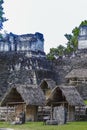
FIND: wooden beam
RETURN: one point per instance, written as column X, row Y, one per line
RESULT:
column 10, row 103
column 59, row 103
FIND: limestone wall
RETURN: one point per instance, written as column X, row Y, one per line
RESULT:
column 17, row 68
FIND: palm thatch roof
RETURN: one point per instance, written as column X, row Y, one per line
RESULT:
column 30, row 94
column 77, row 73
column 49, row 82
column 67, row 94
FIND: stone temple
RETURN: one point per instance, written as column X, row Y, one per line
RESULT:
column 23, row 60
column 24, row 69
column 82, row 39
column 26, row 42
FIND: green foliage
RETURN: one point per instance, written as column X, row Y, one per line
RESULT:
column 68, row 36
column 55, row 52
column 60, row 50
column 83, row 23
column 85, row 101
column 72, row 43
column 2, row 19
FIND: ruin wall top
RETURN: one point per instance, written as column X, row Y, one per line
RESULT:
column 25, row 42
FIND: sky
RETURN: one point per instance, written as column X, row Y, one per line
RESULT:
column 52, row 18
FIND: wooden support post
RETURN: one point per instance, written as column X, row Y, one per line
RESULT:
column 51, row 111
column 7, row 113
column 25, row 111
column 68, row 112
column 79, row 113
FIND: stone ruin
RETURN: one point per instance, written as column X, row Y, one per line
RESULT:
column 23, row 61
column 25, row 42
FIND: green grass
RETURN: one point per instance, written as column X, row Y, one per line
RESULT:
column 85, row 101
column 41, row 126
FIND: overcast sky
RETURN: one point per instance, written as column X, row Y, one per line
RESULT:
column 53, row 18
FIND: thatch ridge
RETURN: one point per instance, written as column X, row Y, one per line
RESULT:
column 77, row 73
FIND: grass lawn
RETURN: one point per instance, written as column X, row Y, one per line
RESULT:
column 41, row 126
column 85, row 101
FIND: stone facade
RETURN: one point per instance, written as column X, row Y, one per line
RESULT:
column 82, row 39
column 26, row 42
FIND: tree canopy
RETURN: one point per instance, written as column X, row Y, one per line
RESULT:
column 2, row 18
column 56, row 52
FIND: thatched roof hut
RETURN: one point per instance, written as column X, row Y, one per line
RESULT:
column 25, row 98
column 65, row 94
column 68, row 97
column 77, row 73
column 49, row 83
column 30, row 94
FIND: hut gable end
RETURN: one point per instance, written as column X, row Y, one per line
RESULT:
column 67, row 94
column 49, row 83
column 29, row 94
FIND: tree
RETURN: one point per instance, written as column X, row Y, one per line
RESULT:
column 83, row 23
column 72, row 43
column 2, row 19
column 52, row 53
column 56, row 52
column 61, row 50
